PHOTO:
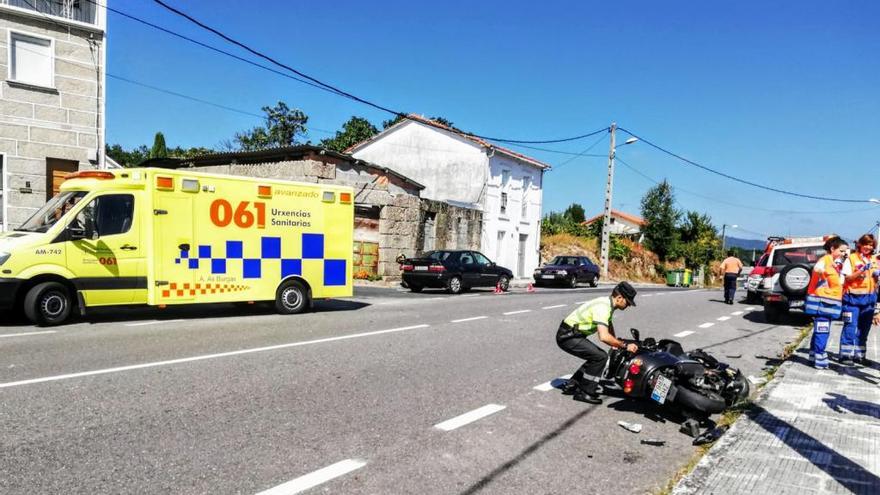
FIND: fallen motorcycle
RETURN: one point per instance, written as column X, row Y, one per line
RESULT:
column 661, row 371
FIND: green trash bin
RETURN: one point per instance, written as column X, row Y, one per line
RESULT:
column 674, row 278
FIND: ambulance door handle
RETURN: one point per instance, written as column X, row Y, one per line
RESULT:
column 128, row 247
column 184, row 247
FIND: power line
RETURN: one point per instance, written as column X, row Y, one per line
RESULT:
column 737, row 179
column 583, row 153
column 729, row 203
column 342, row 92
column 559, row 152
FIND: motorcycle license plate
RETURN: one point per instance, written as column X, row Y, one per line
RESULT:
column 661, row 389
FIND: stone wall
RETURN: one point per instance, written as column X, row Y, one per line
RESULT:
column 39, row 123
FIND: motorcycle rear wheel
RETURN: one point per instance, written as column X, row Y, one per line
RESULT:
column 705, row 402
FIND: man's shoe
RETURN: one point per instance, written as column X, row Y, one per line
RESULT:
column 588, row 398
column 571, row 388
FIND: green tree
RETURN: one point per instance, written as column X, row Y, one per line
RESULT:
column 575, row 213
column 127, row 158
column 159, row 150
column 283, row 127
column 354, row 131
column 698, row 239
column 658, row 210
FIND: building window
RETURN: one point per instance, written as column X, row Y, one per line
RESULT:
column 526, row 185
column 500, row 247
column 31, row 60
column 504, row 203
column 505, row 178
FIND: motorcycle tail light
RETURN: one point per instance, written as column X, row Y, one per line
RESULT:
column 635, row 367
column 436, row 268
column 628, row 386
column 406, row 268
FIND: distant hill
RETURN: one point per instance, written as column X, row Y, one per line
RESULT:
column 745, row 243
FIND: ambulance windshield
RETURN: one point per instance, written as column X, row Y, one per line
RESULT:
column 52, row 212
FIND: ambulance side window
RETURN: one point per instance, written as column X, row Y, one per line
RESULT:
column 108, row 215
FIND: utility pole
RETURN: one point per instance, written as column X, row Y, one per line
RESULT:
column 606, row 220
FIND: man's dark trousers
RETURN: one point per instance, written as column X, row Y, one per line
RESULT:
column 577, row 344
column 729, row 286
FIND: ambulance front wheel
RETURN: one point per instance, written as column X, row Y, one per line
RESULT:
column 292, row 298
column 48, row 303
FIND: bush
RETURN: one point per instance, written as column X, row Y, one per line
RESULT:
column 618, row 250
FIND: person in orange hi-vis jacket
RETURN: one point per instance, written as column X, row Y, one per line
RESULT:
column 859, row 298
column 824, row 297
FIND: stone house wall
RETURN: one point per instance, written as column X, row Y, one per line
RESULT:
column 454, row 227
column 63, row 122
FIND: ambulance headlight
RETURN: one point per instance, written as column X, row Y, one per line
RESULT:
column 3, row 257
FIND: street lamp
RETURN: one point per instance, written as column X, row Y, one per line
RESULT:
column 609, row 184
column 723, row 235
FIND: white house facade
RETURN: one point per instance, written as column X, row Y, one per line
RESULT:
column 465, row 170
column 51, row 99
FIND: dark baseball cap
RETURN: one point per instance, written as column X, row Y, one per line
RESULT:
column 627, row 291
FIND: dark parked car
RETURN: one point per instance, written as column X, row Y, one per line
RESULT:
column 456, row 271
column 568, row 270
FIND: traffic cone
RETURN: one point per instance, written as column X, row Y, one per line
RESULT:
column 498, row 289
column 530, row 288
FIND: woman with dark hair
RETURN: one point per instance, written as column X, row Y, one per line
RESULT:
column 859, row 298
column 824, row 297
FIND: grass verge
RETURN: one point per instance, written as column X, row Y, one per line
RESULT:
column 730, row 416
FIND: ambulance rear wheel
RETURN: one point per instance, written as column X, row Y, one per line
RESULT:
column 48, row 304
column 292, row 298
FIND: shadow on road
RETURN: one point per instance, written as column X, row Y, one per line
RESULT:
column 191, row 312
column 839, row 403
column 846, row 472
column 525, row 453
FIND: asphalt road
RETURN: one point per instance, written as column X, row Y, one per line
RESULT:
column 360, row 396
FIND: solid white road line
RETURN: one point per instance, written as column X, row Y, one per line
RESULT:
column 647, row 295
column 204, row 357
column 469, row 417
column 683, row 334
column 706, row 325
column 316, row 478
column 145, row 323
column 723, row 318
column 548, row 386
column 469, row 319
column 554, row 306
column 736, row 313
column 28, row 333
column 517, row 312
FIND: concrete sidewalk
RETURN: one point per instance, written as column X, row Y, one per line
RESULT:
column 811, row 432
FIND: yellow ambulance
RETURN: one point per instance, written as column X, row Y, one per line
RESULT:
column 163, row 237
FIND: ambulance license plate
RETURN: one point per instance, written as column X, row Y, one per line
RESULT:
column 421, row 268
column 661, row 389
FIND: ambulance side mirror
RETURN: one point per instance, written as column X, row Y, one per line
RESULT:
column 76, row 233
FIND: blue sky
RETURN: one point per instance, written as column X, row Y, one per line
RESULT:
column 780, row 93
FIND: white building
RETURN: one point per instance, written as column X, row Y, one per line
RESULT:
column 622, row 223
column 461, row 169
column 51, row 98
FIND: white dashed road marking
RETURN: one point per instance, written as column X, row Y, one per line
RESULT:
column 471, row 295
column 27, row 333
column 723, row 318
column 736, row 313
column 469, row 319
column 204, row 357
column 145, row 323
column 517, row 312
column 750, row 308
column 683, row 334
column 553, row 307
column 469, row 417
column 316, row 478
column 706, row 325
column 548, row 386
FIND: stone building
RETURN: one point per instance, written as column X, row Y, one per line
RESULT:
column 390, row 217
column 51, row 99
